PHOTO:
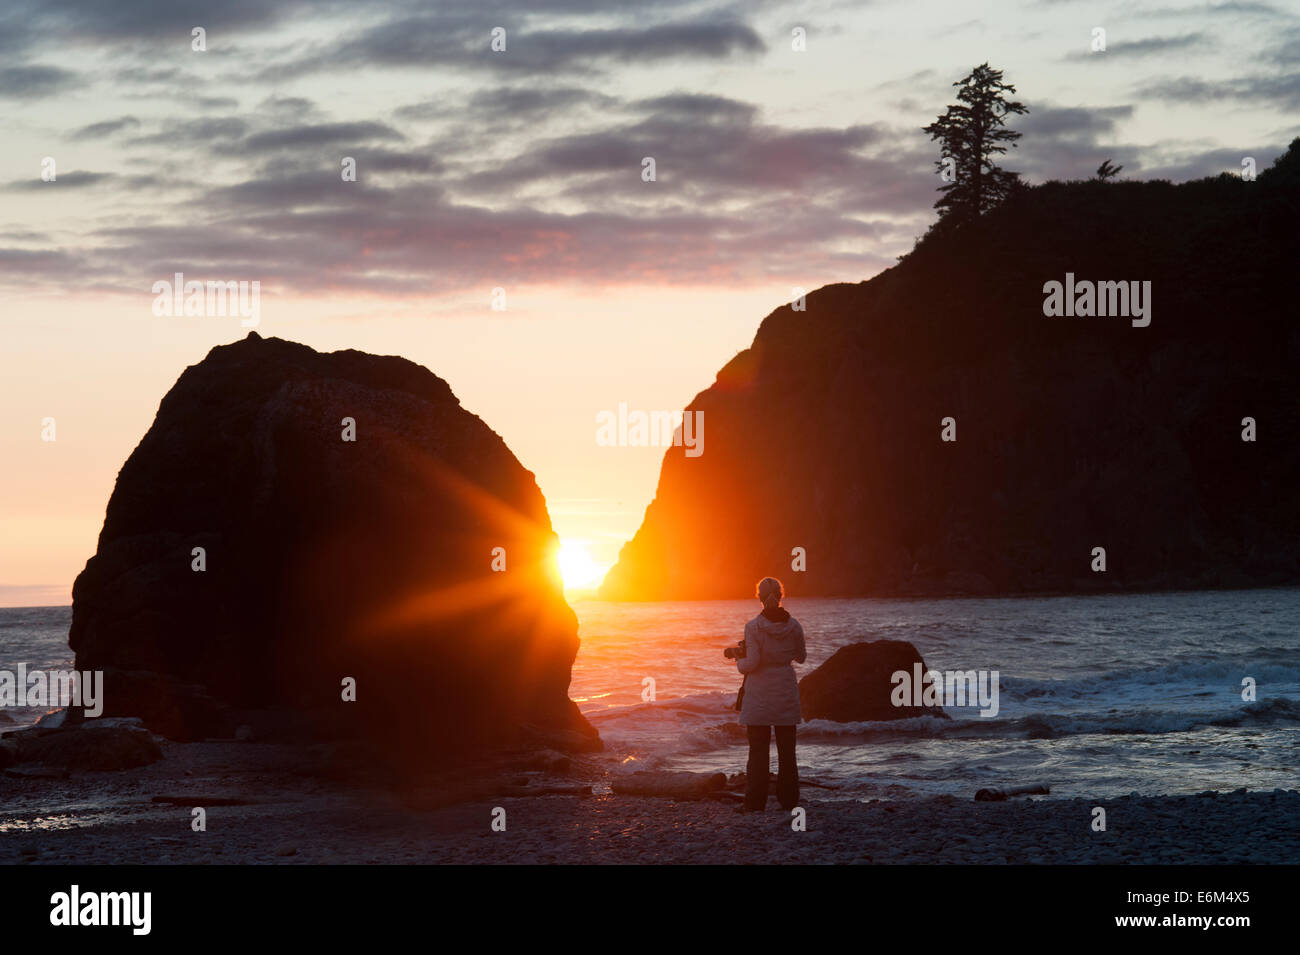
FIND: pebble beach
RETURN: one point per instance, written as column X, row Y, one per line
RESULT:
column 275, row 804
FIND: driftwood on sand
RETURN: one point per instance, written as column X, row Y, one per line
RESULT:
column 1001, row 795
column 737, row 782
column 682, row 785
column 516, row 792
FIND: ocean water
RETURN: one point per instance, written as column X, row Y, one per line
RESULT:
column 38, row 637
column 1099, row 696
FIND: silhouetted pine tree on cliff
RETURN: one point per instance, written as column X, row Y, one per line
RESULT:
column 1108, row 170
column 972, row 132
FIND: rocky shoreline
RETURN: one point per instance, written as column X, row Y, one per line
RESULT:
column 279, row 804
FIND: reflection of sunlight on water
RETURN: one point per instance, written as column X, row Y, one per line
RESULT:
column 50, row 823
column 75, row 816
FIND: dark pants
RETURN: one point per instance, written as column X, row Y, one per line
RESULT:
column 787, row 774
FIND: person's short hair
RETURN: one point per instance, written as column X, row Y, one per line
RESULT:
column 768, row 588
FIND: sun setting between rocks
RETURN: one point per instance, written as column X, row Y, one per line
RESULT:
column 416, row 560
column 577, row 568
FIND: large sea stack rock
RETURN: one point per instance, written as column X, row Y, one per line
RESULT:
column 327, row 559
column 855, row 684
column 1071, row 433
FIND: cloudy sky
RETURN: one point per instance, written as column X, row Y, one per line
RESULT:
column 522, row 170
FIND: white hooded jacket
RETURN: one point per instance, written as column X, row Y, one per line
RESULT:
column 771, row 688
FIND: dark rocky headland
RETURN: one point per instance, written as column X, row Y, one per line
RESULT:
column 1072, row 433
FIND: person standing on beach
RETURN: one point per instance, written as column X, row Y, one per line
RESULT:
column 773, row 640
